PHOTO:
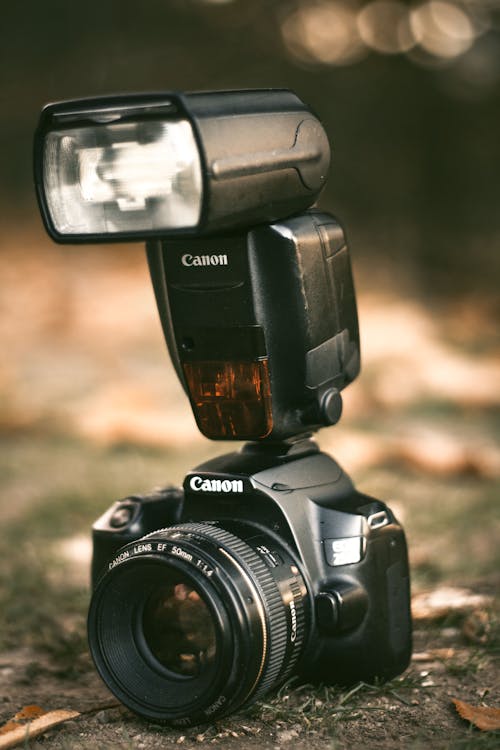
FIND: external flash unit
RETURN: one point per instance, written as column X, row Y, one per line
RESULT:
column 203, row 177
column 167, row 164
column 267, row 562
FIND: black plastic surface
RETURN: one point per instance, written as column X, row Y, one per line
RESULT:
column 264, row 154
column 290, row 283
column 297, row 500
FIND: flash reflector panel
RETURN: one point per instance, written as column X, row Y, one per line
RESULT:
column 132, row 167
column 126, row 177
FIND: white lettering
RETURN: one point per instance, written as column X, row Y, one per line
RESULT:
column 195, row 483
column 216, row 485
column 204, row 568
column 217, row 704
column 182, row 553
column 293, row 612
column 121, row 557
column 142, row 548
column 347, row 551
column 204, row 260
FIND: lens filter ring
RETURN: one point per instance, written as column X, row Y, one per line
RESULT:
column 189, row 623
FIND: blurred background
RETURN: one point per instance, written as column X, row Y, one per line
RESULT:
column 409, row 94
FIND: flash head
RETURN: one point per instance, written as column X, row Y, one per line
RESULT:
column 133, row 167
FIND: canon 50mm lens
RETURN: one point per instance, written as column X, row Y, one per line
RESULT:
column 191, row 622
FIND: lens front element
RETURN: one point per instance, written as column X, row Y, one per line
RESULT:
column 178, row 627
column 194, row 621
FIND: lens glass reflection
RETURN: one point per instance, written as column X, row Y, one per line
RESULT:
column 179, row 629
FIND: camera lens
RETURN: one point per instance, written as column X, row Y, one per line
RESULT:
column 194, row 621
column 178, row 627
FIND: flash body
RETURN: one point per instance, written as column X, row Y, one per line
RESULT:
column 166, row 164
column 289, row 570
column 254, row 288
column 261, row 325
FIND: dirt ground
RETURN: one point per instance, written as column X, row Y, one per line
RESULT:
column 44, row 598
column 413, row 711
column 91, row 411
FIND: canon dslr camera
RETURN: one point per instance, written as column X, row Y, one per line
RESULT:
column 267, row 563
column 264, row 567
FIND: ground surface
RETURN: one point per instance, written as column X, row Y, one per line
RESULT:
column 90, row 412
column 43, row 655
column 414, row 711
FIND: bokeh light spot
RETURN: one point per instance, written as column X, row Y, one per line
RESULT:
column 324, row 33
column 384, row 25
column 442, row 29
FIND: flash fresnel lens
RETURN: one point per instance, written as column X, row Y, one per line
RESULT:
column 123, row 177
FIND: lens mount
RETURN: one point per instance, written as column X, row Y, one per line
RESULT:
column 193, row 621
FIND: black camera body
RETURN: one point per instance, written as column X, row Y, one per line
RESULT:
column 312, row 577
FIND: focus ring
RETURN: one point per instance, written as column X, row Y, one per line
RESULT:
column 276, row 618
column 299, row 628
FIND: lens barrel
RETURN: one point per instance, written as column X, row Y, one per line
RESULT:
column 193, row 621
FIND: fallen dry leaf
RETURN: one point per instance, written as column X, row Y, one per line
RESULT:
column 27, row 713
column 445, row 601
column 483, row 717
column 476, row 627
column 433, row 653
column 29, row 722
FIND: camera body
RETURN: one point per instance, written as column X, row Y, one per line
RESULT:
column 336, row 559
